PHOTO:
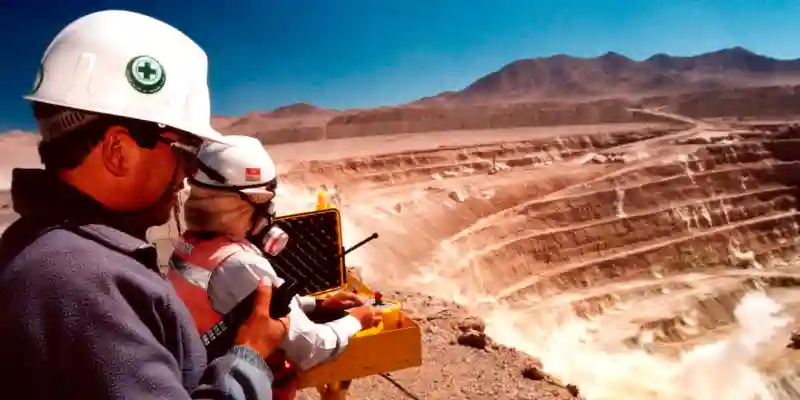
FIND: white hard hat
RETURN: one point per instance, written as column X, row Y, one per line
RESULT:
column 241, row 164
column 129, row 65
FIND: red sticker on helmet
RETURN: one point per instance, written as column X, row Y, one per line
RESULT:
column 252, row 174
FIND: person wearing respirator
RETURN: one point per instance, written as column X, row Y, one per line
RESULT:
column 219, row 259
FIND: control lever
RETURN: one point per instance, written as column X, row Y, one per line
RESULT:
column 359, row 244
column 220, row 337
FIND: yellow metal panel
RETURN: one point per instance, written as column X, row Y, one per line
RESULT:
column 370, row 352
column 389, row 350
column 385, row 351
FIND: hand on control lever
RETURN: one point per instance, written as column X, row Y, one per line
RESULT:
column 341, row 301
column 261, row 332
column 368, row 316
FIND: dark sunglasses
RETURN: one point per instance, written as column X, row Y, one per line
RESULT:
column 186, row 151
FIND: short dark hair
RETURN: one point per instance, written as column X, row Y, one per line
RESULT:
column 68, row 151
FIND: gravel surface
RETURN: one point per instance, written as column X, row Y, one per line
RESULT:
column 451, row 370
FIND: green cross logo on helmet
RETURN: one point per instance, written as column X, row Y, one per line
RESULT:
column 145, row 74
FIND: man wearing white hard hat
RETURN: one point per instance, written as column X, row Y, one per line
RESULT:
column 122, row 104
column 221, row 257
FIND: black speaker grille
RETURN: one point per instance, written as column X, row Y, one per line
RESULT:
column 312, row 256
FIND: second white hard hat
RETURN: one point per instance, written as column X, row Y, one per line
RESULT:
column 129, row 65
column 242, row 163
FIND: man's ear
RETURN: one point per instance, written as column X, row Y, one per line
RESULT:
column 119, row 152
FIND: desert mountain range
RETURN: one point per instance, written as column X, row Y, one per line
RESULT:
column 557, row 90
column 568, row 78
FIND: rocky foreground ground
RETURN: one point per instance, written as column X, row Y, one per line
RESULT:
column 459, row 362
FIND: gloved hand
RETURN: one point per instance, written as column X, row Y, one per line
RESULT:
column 260, row 332
column 368, row 316
column 341, row 300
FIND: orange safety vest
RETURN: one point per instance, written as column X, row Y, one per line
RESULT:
column 208, row 254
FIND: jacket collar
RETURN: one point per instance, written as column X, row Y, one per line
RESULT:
column 40, row 195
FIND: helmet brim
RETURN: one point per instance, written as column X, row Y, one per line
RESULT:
column 210, row 135
column 207, row 134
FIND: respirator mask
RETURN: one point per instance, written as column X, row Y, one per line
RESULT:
column 265, row 233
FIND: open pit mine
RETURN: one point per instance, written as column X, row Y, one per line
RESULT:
column 649, row 261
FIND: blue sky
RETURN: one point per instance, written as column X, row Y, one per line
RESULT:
column 364, row 53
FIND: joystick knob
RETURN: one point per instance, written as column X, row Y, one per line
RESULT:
column 378, row 298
